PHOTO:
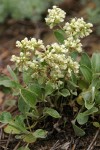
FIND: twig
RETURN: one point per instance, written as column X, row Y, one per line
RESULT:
column 17, row 146
column 2, row 125
column 55, row 146
column 8, row 142
column 93, row 141
column 75, row 144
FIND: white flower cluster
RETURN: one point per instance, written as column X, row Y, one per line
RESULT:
column 55, row 16
column 31, row 44
column 73, row 44
column 74, row 30
column 21, row 61
column 53, row 62
column 29, row 48
column 59, row 65
column 77, row 28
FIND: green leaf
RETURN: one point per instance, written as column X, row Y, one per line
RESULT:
column 22, row 106
column 40, row 133
column 48, row 89
column 29, row 138
column 91, row 111
column 87, row 96
column 59, row 34
column 19, row 120
column 89, row 104
column 36, row 88
column 85, row 60
column 93, row 93
column 52, row 112
column 78, row 131
column 5, row 117
column 11, row 130
column 87, row 73
column 27, row 77
column 97, row 98
column 18, row 124
column 74, row 55
column 65, row 92
column 10, row 84
column 95, row 60
column 3, row 77
column 96, row 124
column 29, row 97
column 23, row 148
column 81, row 118
column 96, row 82
column 13, row 75
column 82, row 84
column 71, row 85
column 73, row 78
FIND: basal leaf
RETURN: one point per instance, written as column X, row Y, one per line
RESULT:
column 9, row 83
column 96, row 124
column 52, row 112
column 23, row 148
column 22, row 106
column 64, row 92
column 91, row 111
column 97, row 98
column 13, row 75
column 95, row 61
column 5, row 117
column 87, row 96
column 29, row 97
column 85, row 60
column 29, row 138
column 87, row 73
column 48, row 89
column 36, row 88
column 11, row 130
column 40, row 133
column 78, row 131
column 27, row 77
column 82, row 119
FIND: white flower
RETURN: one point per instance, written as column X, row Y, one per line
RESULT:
column 77, row 28
column 73, row 44
column 30, row 44
column 55, row 16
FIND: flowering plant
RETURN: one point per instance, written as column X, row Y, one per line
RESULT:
column 53, row 77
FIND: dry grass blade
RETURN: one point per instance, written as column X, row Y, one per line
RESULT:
column 93, row 141
column 8, row 142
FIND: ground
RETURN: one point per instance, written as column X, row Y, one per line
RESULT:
column 64, row 139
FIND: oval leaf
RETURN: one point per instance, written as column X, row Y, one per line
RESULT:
column 64, row 92
column 78, row 131
column 11, row 130
column 85, row 60
column 40, row 133
column 29, row 97
column 52, row 112
column 95, row 60
column 5, row 117
column 82, row 119
column 87, row 73
column 13, row 75
column 29, row 138
column 59, row 34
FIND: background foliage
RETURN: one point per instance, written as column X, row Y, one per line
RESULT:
column 30, row 9
column 93, row 12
